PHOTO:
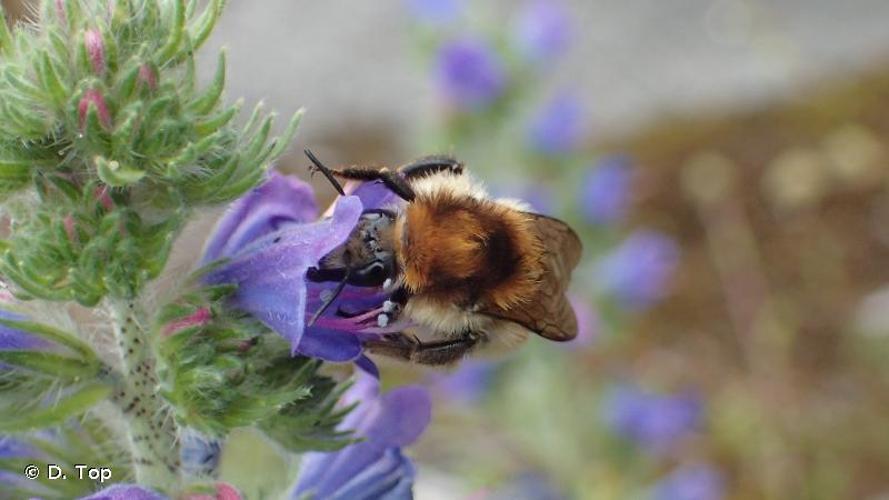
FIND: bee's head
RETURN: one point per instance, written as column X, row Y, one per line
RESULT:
column 367, row 255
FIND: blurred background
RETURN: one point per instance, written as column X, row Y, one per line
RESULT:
column 725, row 162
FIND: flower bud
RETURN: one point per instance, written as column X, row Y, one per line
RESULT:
column 69, row 228
column 148, row 76
column 60, row 12
column 93, row 97
column 101, row 194
column 197, row 318
column 95, row 49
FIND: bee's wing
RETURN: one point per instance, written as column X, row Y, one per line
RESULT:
column 549, row 314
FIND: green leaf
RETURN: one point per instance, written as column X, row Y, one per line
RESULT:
column 206, row 102
column 114, row 174
column 174, row 40
column 204, row 25
column 66, row 407
column 52, row 334
column 259, row 139
column 5, row 35
column 214, row 123
column 14, row 171
column 49, row 364
column 285, row 139
column 51, row 81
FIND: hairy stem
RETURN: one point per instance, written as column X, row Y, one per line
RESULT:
column 152, row 432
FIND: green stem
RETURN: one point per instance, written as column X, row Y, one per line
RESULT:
column 151, row 430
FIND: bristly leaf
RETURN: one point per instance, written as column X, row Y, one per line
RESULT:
column 85, row 441
column 116, row 116
column 311, row 424
column 228, row 371
column 54, row 412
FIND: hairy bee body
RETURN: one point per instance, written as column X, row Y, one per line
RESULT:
column 470, row 270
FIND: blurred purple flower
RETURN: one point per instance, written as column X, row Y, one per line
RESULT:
column 638, row 271
column 558, row 127
column 542, row 30
column 467, row 384
column 605, row 190
column 435, row 12
column 12, row 339
column 374, row 468
column 655, row 422
column 199, row 454
column 12, row 448
column 691, row 482
column 588, row 325
column 126, row 492
column 470, row 74
column 268, row 242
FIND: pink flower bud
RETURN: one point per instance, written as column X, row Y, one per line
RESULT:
column 101, row 193
column 198, row 318
column 95, row 49
column 69, row 228
column 224, row 491
column 60, row 12
column 147, row 76
column 93, row 97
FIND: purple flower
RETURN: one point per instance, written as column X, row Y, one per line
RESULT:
column 656, row 422
column 268, row 241
column 470, row 74
column 638, row 271
column 12, row 448
column 691, row 482
column 558, row 127
column 276, row 203
column 17, row 340
column 374, row 468
column 588, row 326
column 14, row 340
column 542, row 30
column 605, row 190
column 467, row 384
column 199, row 454
column 435, row 12
column 126, row 492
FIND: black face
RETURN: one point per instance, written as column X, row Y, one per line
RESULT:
column 364, row 260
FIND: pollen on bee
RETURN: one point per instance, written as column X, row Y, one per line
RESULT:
column 383, row 320
column 387, row 283
column 388, row 306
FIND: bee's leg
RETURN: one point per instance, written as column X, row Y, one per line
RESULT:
column 393, row 180
column 438, row 353
column 431, row 165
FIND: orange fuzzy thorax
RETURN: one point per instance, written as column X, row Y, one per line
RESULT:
column 464, row 250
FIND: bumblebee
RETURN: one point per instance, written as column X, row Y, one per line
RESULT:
column 467, row 270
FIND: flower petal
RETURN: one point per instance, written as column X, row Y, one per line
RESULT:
column 126, row 492
column 374, row 467
column 270, row 272
column 274, row 204
column 470, row 74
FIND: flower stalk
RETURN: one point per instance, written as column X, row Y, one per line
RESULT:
column 152, row 432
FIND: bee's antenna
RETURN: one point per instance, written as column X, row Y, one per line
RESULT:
column 336, row 293
column 326, row 171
